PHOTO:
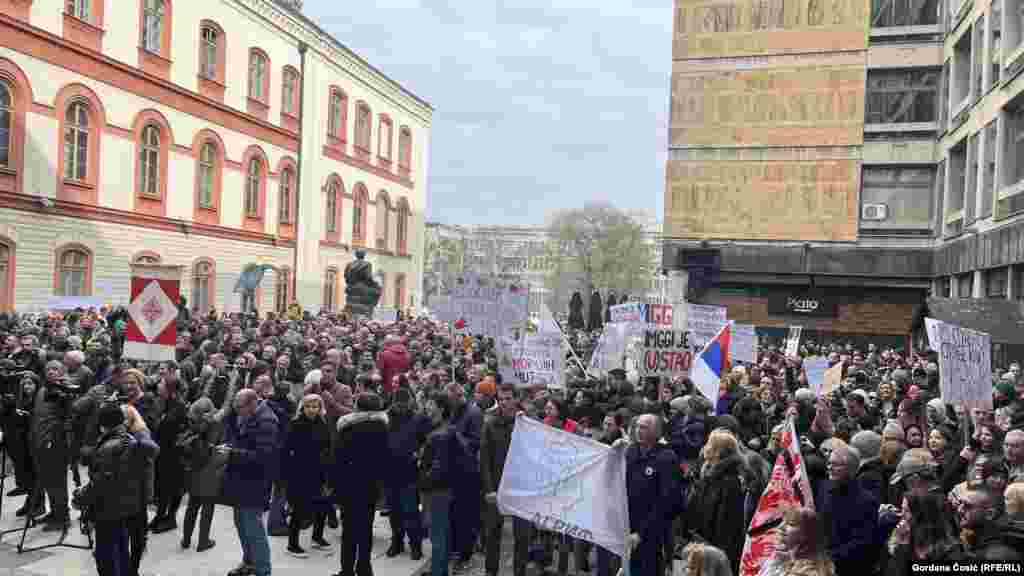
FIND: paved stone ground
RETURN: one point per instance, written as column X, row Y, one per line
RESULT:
column 165, row 557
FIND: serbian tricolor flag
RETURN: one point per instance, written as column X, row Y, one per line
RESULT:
column 712, row 364
column 789, row 487
column 151, row 332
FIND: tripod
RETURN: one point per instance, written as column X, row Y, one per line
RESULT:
column 3, row 484
column 34, row 500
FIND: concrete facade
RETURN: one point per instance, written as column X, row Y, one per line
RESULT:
column 867, row 156
column 172, row 130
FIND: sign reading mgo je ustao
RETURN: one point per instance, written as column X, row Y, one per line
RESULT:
column 803, row 304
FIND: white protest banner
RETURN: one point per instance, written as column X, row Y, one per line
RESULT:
column 629, row 312
column 533, row 362
column 489, row 306
column 566, row 483
column 815, row 369
column 385, row 315
column 703, row 323
column 663, row 351
column 965, row 364
column 793, row 340
column 612, row 346
column 743, row 346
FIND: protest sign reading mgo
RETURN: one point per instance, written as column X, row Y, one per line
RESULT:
column 965, row 363
column 666, row 349
column 567, row 484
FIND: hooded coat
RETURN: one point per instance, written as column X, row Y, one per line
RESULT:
column 394, row 359
column 360, row 459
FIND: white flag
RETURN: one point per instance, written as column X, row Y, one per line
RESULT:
column 566, row 483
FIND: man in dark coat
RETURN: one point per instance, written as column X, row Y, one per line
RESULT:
column 114, row 493
column 853, row 514
column 495, row 442
column 51, row 421
column 250, row 435
column 407, row 431
column 467, row 421
column 652, row 489
column 358, row 477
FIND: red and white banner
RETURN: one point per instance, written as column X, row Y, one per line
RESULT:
column 152, row 331
column 789, row 487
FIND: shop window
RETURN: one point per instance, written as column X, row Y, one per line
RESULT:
column 897, row 199
column 996, row 282
column 885, row 13
column 902, row 96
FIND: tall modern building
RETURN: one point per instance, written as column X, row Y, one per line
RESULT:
column 834, row 163
column 206, row 135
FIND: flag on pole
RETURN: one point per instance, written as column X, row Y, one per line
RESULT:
column 711, row 364
column 789, row 486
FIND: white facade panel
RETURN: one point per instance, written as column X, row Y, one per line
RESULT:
column 48, row 15
column 117, row 162
column 121, row 30
column 181, row 189
column 231, row 199
column 40, row 166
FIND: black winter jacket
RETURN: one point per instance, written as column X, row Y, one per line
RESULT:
column 117, row 477
column 716, row 509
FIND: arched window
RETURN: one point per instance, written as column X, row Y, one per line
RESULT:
column 253, row 182
column 332, row 206
column 399, row 291
column 73, row 272
column 359, row 200
column 6, row 124
column 206, row 175
column 78, row 8
column 363, row 120
column 203, row 285
column 330, row 288
column 383, row 217
column 384, row 139
column 257, row 76
column 404, row 150
column 76, row 141
column 337, row 113
column 208, row 52
column 282, row 288
column 403, row 227
column 290, row 92
column 149, row 162
column 153, row 26
column 6, row 275
column 146, row 258
column 287, row 181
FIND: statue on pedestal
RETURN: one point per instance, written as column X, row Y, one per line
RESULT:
column 362, row 292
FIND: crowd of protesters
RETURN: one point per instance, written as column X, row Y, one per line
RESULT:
column 326, row 421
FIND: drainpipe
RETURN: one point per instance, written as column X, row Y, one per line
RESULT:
column 298, row 169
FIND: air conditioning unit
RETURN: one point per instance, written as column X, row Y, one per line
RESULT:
column 873, row 212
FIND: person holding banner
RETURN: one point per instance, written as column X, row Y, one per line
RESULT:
column 652, row 490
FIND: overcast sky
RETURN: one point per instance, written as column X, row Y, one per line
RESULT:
column 539, row 104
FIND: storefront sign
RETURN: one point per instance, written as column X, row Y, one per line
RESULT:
column 803, row 304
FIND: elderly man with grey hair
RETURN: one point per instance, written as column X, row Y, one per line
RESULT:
column 78, row 374
column 853, row 514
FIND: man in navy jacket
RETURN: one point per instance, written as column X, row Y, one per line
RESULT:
column 652, row 489
column 250, row 433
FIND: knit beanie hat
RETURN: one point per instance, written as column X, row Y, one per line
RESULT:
column 486, row 387
column 893, row 431
column 110, row 415
column 868, row 443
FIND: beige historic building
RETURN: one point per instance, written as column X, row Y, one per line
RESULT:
column 206, row 135
column 862, row 154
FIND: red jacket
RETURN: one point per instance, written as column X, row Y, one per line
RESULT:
column 394, row 359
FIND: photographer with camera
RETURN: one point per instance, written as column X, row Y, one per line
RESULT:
column 115, row 491
column 51, row 425
column 16, row 414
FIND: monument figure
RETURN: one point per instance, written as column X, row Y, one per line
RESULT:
column 362, row 292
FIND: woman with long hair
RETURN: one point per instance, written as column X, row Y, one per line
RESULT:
column 715, row 511
column 922, row 536
column 305, row 456
column 801, row 550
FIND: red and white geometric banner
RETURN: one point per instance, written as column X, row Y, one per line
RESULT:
column 152, row 329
